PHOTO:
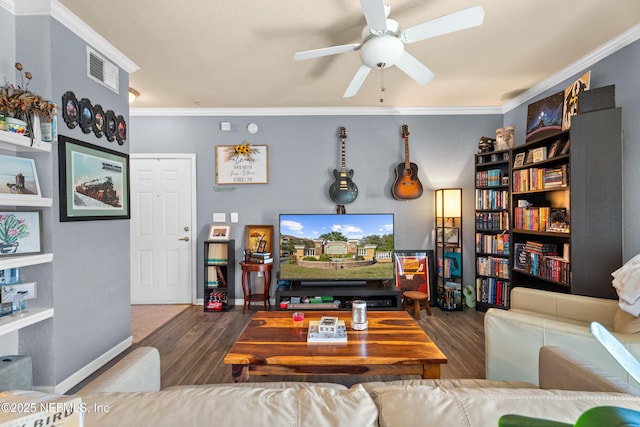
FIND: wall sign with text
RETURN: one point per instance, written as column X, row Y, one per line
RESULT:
column 242, row 164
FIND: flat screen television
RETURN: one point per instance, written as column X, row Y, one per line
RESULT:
column 330, row 249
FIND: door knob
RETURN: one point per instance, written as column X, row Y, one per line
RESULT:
column 186, row 239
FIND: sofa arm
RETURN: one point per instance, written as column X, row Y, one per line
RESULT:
column 138, row 371
column 560, row 369
column 575, row 307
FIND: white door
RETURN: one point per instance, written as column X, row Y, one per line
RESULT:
column 162, row 218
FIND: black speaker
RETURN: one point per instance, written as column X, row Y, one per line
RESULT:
column 596, row 99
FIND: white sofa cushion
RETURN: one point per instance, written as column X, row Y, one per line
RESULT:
column 229, row 405
column 446, row 407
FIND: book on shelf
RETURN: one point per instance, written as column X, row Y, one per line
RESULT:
column 217, row 253
column 315, row 336
column 261, row 254
column 519, row 256
column 215, row 277
column 539, row 154
column 259, row 260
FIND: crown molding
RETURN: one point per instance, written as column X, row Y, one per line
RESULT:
column 63, row 15
column 86, row 33
column 612, row 46
column 312, row 111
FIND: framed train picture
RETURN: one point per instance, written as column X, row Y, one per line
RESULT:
column 94, row 182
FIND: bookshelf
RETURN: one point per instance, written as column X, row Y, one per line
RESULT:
column 492, row 225
column 566, row 203
column 219, row 276
column 449, row 248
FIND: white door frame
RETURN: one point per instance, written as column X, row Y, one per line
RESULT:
column 194, row 214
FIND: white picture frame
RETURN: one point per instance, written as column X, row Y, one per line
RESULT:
column 18, row 178
column 218, row 232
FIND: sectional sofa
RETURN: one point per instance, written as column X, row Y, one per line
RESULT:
column 129, row 394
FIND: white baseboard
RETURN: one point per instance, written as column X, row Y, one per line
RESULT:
column 79, row 376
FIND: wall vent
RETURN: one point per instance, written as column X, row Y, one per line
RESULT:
column 102, row 71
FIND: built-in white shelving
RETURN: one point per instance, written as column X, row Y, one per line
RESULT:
column 17, row 321
column 25, row 200
column 19, row 143
column 24, row 260
column 15, row 142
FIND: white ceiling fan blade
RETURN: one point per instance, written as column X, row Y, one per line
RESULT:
column 374, row 14
column 326, row 51
column 357, row 81
column 617, row 350
column 456, row 21
column 414, row 68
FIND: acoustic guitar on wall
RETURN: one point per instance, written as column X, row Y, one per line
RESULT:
column 343, row 190
column 406, row 186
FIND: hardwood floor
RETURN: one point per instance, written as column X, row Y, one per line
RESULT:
column 193, row 344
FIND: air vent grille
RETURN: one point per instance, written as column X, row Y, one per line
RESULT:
column 102, row 71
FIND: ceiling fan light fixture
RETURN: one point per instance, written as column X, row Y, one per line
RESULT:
column 383, row 49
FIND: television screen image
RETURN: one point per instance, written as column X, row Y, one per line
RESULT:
column 325, row 248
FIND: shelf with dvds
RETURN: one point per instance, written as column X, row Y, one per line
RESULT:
column 449, row 248
column 219, row 275
column 492, row 230
column 566, row 205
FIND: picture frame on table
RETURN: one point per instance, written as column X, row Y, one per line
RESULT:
column 19, row 178
column 259, row 238
column 94, row 182
column 20, row 232
column 415, row 271
column 219, row 232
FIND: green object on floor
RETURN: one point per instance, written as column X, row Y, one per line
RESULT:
column 600, row 416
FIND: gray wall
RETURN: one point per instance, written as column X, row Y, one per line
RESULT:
column 91, row 258
column 304, row 150
column 88, row 281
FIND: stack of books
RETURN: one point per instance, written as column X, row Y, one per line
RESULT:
column 261, row 258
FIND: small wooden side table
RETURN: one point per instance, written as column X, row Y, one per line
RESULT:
column 249, row 296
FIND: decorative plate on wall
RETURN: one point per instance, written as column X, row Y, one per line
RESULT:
column 110, row 125
column 86, row 115
column 121, row 130
column 98, row 121
column 70, row 109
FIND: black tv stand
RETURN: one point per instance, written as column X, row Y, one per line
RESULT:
column 332, row 283
column 378, row 295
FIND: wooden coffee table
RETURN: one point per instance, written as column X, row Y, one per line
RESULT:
column 393, row 344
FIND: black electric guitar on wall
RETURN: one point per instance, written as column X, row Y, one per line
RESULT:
column 343, row 190
column 406, row 185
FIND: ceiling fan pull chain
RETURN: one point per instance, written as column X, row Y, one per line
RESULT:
column 382, row 88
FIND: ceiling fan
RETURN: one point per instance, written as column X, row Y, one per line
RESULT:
column 383, row 43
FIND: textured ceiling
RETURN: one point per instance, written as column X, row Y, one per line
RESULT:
column 239, row 53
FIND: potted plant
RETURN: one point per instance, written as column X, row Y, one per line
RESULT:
column 17, row 102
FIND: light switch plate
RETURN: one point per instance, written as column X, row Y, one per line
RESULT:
column 234, row 217
column 219, row 217
column 225, row 126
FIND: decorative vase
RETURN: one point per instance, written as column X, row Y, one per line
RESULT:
column 8, row 248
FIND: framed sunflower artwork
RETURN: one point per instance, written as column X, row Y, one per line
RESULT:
column 242, row 164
